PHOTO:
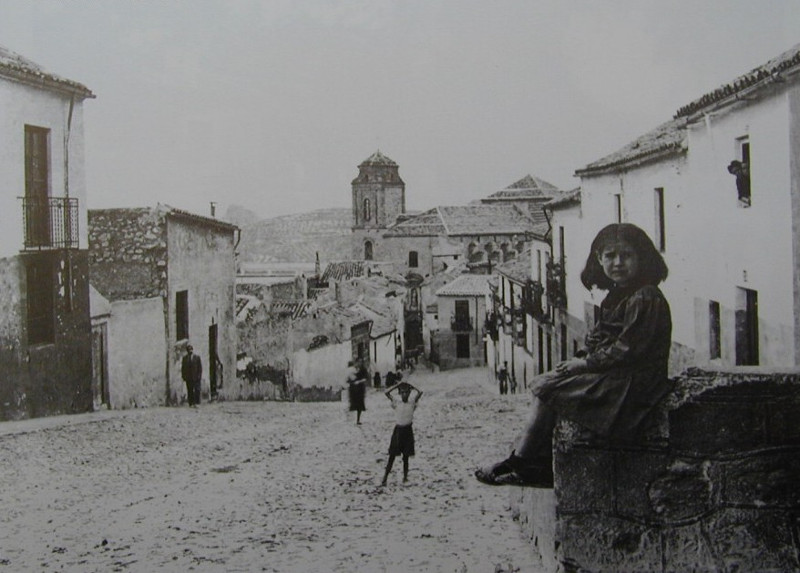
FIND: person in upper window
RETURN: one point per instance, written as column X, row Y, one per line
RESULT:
column 742, row 173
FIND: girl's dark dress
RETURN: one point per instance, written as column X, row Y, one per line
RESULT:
column 627, row 355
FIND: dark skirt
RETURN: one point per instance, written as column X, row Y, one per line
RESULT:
column 402, row 442
column 613, row 403
column 356, row 394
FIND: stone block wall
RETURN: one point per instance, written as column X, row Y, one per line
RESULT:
column 128, row 253
column 711, row 487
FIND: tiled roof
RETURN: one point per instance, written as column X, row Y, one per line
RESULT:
column 383, row 322
column 529, row 187
column 428, row 224
column 377, row 158
column 564, row 198
column 667, row 139
column 670, row 138
column 474, row 219
column 206, row 221
column 343, row 270
column 495, row 219
column 245, row 306
column 517, row 269
column 23, row 70
column 763, row 74
column 466, row 285
column 294, row 308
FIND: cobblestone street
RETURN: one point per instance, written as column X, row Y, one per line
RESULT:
column 264, row 486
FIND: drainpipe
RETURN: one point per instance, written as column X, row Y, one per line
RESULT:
column 66, row 145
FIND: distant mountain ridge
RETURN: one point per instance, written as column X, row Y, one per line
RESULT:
column 293, row 238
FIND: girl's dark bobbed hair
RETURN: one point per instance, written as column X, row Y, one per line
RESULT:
column 652, row 268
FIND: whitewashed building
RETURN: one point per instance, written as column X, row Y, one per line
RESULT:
column 45, row 330
column 732, row 243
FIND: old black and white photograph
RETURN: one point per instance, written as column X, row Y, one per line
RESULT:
column 383, row 286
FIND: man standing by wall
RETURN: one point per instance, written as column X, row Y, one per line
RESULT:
column 192, row 372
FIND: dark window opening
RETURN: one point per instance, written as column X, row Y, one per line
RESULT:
column 661, row 237
column 40, row 282
column 747, row 328
column 540, row 339
column 182, row 315
column 413, row 259
column 368, row 251
column 366, row 210
column 549, row 355
column 740, row 168
column 714, row 323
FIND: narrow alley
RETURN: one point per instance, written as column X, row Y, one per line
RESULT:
column 264, row 486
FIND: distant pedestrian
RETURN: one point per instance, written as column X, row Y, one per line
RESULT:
column 502, row 378
column 512, row 384
column 376, row 380
column 356, row 391
column 192, row 373
column 402, row 442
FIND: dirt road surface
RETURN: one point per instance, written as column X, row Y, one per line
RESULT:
column 264, row 486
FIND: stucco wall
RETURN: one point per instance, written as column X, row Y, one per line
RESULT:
column 25, row 105
column 137, row 355
column 446, row 338
column 715, row 247
column 322, row 367
column 201, row 261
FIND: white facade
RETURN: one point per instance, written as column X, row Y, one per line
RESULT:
column 719, row 250
column 62, row 115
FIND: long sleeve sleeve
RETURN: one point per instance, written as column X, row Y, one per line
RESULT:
column 643, row 320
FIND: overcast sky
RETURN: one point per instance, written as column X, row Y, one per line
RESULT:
column 273, row 104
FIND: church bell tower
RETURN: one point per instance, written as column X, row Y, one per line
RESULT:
column 379, row 197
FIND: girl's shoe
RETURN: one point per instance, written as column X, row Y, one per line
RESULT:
column 517, row 471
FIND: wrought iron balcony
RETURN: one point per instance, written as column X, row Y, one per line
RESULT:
column 50, row 223
column 556, row 285
column 533, row 295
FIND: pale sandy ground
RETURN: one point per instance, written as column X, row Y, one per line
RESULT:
column 264, row 486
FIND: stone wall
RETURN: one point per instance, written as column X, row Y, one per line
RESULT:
column 712, row 487
column 128, row 253
column 52, row 377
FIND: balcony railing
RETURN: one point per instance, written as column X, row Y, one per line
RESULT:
column 50, row 223
column 461, row 324
column 533, row 295
column 556, row 285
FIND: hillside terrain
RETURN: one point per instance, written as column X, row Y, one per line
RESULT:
column 293, row 238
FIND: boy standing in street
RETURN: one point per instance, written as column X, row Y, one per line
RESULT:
column 402, row 442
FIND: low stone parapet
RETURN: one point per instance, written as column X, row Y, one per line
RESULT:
column 713, row 486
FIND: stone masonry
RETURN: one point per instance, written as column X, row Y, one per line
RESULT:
column 135, row 237
column 713, row 487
